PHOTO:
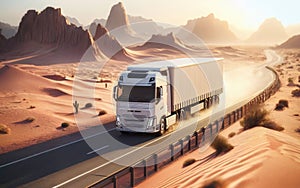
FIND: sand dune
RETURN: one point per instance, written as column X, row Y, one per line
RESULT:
column 261, row 158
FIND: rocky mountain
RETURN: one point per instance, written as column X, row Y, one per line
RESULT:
column 50, row 28
column 118, row 25
column 211, row 30
column 144, row 27
column 270, row 32
column 74, row 21
column 3, row 40
column 293, row 42
column 8, row 31
column 109, row 45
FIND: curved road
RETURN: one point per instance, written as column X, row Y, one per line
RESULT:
column 70, row 161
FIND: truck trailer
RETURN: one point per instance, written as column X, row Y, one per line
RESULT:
column 153, row 96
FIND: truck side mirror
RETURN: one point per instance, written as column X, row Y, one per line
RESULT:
column 115, row 93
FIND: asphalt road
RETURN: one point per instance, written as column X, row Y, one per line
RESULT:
column 76, row 161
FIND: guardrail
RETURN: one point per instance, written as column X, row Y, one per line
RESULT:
column 131, row 176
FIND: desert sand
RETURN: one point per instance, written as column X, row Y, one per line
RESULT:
column 261, row 157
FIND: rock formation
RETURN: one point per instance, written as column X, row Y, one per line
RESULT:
column 7, row 30
column 293, row 42
column 109, row 45
column 50, row 29
column 211, row 30
column 270, row 32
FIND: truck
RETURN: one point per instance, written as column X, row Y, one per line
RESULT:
column 151, row 97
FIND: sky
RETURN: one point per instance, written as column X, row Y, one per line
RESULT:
column 243, row 14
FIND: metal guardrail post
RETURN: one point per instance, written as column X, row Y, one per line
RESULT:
column 145, row 168
column 172, row 152
column 181, row 147
column 132, row 183
column 155, row 162
column 115, row 180
column 196, row 139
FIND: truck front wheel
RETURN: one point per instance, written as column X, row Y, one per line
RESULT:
column 162, row 127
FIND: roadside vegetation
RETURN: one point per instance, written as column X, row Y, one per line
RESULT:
column 4, row 129
column 188, row 162
column 258, row 117
column 65, row 125
column 221, row 145
column 282, row 104
column 214, row 184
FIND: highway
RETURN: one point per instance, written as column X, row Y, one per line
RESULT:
column 78, row 161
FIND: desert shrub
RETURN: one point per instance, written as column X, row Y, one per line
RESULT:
column 272, row 125
column 65, row 125
column 29, row 119
column 296, row 93
column 284, row 102
column 232, row 134
column 214, row 184
column 4, row 129
column 220, row 144
column 31, row 107
column 291, row 82
column 88, row 105
column 297, row 130
column 188, row 162
column 102, row 112
column 255, row 117
column 279, row 107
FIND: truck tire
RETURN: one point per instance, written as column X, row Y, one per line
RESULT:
column 162, row 127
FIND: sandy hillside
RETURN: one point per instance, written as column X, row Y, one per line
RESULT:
column 260, row 158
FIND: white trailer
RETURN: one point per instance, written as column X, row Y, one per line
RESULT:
column 151, row 97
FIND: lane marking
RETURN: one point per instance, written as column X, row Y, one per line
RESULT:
column 52, row 149
column 94, row 151
column 100, row 166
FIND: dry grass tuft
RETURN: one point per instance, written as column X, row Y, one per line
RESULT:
column 188, row 162
column 221, row 145
column 4, row 129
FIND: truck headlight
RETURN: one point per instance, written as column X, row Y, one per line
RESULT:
column 118, row 122
column 151, row 122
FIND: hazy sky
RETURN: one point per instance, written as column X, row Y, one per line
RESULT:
column 244, row 14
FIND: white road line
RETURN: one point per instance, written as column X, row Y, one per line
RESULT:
column 89, row 171
column 52, row 149
column 97, row 149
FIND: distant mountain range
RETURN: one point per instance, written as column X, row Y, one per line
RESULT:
column 50, row 28
column 270, row 32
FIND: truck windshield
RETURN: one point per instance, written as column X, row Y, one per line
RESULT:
column 136, row 93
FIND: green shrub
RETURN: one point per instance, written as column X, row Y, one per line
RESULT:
column 65, row 125
column 232, row 134
column 102, row 112
column 296, row 93
column 220, row 144
column 29, row 119
column 88, row 105
column 188, row 162
column 4, row 129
